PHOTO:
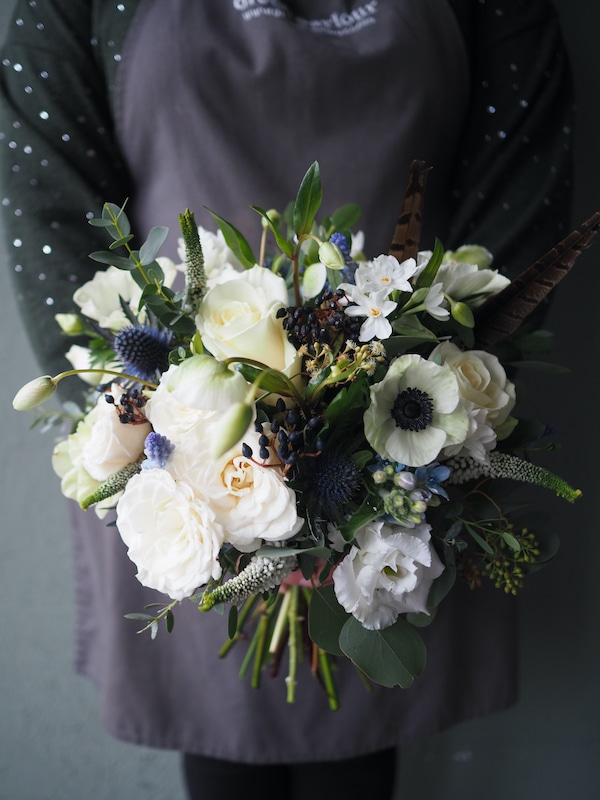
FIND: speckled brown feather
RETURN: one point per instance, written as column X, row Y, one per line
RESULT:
column 501, row 315
column 405, row 242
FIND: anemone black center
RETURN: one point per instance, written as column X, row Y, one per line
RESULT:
column 412, row 410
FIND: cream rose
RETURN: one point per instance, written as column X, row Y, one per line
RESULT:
column 172, row 535
column 238, row 318
column 481, row 380
column 388, row 572
column 67, row 462
column 111, row 444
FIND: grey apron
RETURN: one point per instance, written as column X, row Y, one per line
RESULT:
column 224, row 104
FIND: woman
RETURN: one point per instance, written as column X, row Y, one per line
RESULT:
column 178, row 104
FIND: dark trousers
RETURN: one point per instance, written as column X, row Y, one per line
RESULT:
column 351, row 779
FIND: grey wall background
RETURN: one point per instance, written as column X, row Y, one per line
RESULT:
column 51, row 744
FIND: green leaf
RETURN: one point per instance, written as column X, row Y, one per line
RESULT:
column 394, row 656
column 140, row 617
column 232, row 622
column 271, row 382
column 308, row 201
column 151, row 247
column 120, row 242
column 117, row 222
column 326, row 618
column 480, row 540
column 283, row 244
column 511, row 541
column 169, row 620
column 235, row 241
column 106, row 257
column 345, row 217
column 427, row 276
column 154, row 273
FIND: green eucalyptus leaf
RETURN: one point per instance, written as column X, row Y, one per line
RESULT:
column 120, row 242
column 151, row 247
column 326, row 618
column 118, row 223
column 394, row 656
column 235, row 241
column 154, row 273
column 308, row 201
column 106, row 257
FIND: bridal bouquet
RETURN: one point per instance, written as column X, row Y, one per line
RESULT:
column 308, row 439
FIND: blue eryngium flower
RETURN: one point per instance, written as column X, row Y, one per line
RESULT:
column 143, row 350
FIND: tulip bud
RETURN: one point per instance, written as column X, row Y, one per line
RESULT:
column 331, row 255
column 230, row 428
column 71, row 324
column 462, row 314
column 470, row 254
column 34, row 393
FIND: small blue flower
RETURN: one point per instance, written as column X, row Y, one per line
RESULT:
column 341, row 242
column 431, row 476
column 157, row 448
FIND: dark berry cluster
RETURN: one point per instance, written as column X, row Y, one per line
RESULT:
column 130, row 405
column 321, row 323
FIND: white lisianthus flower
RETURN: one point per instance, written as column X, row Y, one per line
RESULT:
column 238, row 319
column 198, row 389
column 480, row 438
column 375, row 307
column 171, row 534
column 81, row 358
column 415, row 412
column 384, row 273
column 220, row 263
column 111, row 444
column 481, row 380
column 389, row 571
column 98, row 299
column 469, row 283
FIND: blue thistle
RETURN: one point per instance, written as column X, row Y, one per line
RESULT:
column 331, row 482
column 143, row 350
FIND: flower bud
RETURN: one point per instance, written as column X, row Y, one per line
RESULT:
column 462, row 313
column 331, row 255
column 470, row 254
column 70, row 324
column 34, row 393
column 274, row 216
column 230, row 428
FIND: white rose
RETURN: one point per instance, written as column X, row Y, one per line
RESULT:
column 111, row 444
column 388, row 572
column 238, row 318
column 198, row 389
column 67, row 462
column 255, row 503
column 98, row 299
column 171, row 534
column 481, row 380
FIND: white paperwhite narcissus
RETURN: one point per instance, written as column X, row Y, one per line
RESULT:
column 376, row 308
column 384, row 273
column 389, row 571
column 415, row 412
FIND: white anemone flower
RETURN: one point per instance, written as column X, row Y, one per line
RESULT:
column 415, row 412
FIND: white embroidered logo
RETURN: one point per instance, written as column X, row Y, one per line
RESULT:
column 336, row 24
